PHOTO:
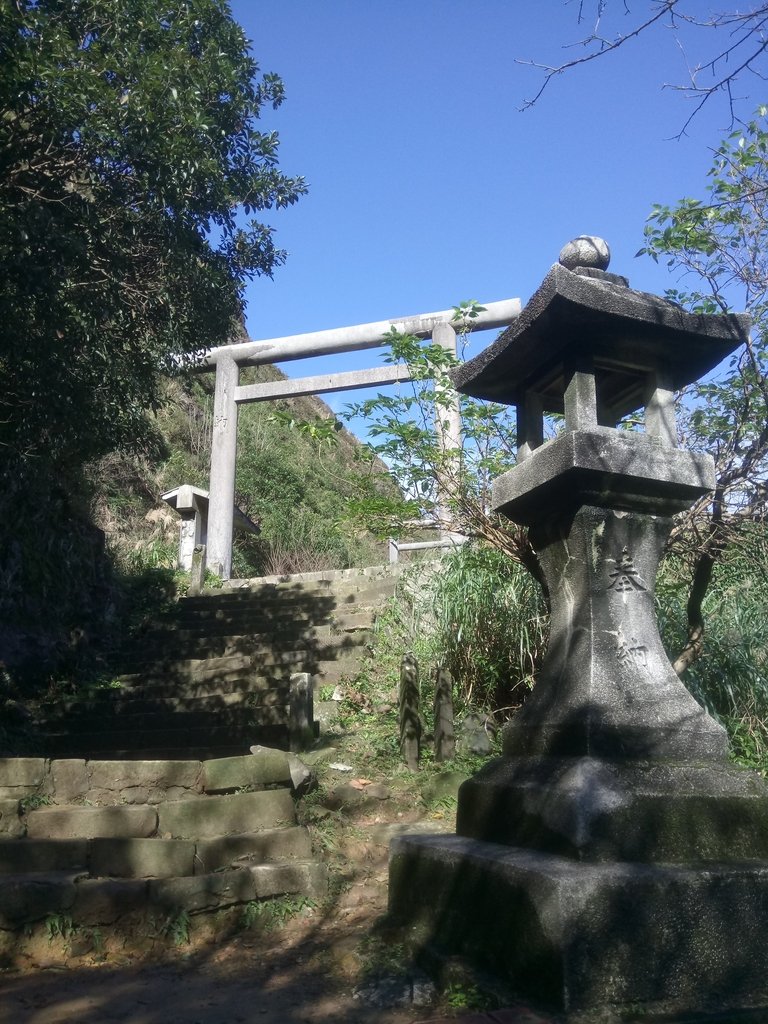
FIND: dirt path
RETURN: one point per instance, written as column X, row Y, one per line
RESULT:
column 303, row 972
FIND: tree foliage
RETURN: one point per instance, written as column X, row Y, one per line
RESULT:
column 130, row 160
column 445, row 482
column 718, row 247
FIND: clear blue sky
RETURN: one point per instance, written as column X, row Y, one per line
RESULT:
column 428, row 186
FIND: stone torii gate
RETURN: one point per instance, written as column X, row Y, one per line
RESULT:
column 229, row 393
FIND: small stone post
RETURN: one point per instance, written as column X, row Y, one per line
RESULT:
column 301, row 712
column 197, row 573
column 408, row 712
column 445, row 736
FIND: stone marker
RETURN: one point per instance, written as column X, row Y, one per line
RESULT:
column 408, row 712
column 197, row 571
column 445, row 738
column 301, row 718
column 612, row 863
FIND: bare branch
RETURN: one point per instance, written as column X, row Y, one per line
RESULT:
column 606, row 46
column 743, row 27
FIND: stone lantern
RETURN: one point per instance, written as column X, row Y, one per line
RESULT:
column 611, row 858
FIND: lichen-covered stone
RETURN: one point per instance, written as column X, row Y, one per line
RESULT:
column 141, row 858
column 137, row 782
column 69, row 780
column 27, row 898
column 102, row 901
column 91, row 822
column 254, row 847
column 205, row 817
column 22, row 773
column 11, row 824
column 265, row 767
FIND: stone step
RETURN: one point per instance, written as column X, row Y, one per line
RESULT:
column 91, row 902
column 184, row 629
column 261, row 660
column 279, row 652
column 141, row 687
column 117, row 719
column 133, row 755
column 155, row 857
column 199, row 817
column 185, row 650
column 329, row 673
column 99, row 782
column 199, row 743
column 76, row 822
column 209, row 817
column 181, row 630
column 132, row 703
column 279, row 615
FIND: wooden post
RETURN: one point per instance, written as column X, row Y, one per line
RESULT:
column 410, row 723
column 445, row 736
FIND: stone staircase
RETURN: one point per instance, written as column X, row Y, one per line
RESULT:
column 149, row 806
column 212, row 677
column 133, row 843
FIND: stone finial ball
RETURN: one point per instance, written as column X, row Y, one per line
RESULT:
column 586, row 251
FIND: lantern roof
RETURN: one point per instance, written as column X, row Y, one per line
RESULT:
column 588, row 319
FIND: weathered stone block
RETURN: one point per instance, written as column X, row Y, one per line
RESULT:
column 69, row 780
column 100, row 901
column 141, row 858
column 26, row 898
column 10, row 822
column 143, row 781
column 203, row 892
column 264, row 768
column 25, row 773
column 307, row 878
column 91, row 822
column 43, row 855
column 206, row 817
column 269, row 845
column 580, row 936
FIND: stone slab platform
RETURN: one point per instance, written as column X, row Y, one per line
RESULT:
column 587, row 939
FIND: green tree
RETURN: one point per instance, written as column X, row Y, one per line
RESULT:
column 718, row 246
column 445, row 483
column 130, row 161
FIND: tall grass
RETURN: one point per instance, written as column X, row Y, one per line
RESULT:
column 482, row 617
column 731, row 678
